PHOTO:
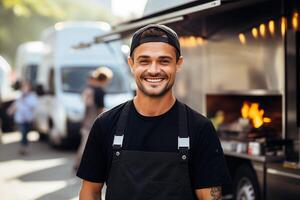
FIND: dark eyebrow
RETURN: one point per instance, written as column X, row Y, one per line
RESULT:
column 143, row 57
column 165, row 57
column 160, row 57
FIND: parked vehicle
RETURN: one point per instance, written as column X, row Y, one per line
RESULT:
column 63, row 73
column 5, row 71
column 242, row 57
column 7, row 96
column 28, row 59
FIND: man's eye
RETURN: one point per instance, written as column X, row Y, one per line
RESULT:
column 165, row 62
column 143, row 62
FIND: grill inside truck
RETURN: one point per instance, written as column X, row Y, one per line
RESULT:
column 247, row 123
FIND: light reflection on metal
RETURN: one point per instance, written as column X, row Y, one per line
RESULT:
column 242, row 38
column 272, row 27
column 254, row 32
column 125, row 49
column 191, row 41
column 200, row 40
column 283, row 25
column 59, row 26
column 262, row 30
column 295, row 21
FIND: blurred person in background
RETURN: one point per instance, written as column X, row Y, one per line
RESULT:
column 93, row 98
column 23, row 111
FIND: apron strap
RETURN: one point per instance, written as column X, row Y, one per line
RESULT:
column 121, row 126
column 183, row 138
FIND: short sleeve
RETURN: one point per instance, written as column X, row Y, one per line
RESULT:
column 94, row 163
column 209, row 167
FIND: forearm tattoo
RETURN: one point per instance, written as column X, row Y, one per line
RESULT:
column 216, row 193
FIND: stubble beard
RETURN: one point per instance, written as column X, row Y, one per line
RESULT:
column 164, row 90
column 162, row 93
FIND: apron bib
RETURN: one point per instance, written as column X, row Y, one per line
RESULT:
column 140, row 175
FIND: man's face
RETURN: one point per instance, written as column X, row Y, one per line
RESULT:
column 97, row 83
column 154, row 67
column 25, row 87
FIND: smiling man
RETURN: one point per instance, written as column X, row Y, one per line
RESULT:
column 153, row 147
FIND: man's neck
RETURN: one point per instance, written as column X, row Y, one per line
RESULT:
column 150, row 106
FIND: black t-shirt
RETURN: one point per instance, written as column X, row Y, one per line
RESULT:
column 157, row 134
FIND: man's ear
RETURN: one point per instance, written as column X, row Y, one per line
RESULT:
column 130, row 63
column 179, row 64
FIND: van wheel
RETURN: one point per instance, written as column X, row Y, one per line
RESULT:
column 53, row 139
column 43, row 137
column 245, row 184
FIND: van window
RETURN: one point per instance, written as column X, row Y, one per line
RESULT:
column 1, row 77
column 30, row 73
column 74, row 79
column 51, row 82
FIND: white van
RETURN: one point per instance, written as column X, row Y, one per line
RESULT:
column 7, row 96
column 5, row 87
column 63, row 73
column 28, row 58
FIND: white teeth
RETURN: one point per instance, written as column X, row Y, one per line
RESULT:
column 154, row 80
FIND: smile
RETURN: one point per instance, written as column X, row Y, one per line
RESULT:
column 154, row 80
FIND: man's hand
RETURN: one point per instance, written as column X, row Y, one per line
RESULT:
column 213, row 193
column 90, row 191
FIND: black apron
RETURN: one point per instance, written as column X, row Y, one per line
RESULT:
column 140, row 175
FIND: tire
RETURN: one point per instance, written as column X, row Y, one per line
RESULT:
column 43, row 137
column 245, row 184
column 7, row 122
column 53, row 140
column 70, row 142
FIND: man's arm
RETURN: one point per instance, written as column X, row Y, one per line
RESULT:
column 90, row 191
column 213, row 193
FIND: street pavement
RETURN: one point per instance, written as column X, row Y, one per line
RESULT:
column 44, row 174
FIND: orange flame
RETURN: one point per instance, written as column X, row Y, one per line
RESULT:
column 191, row 41
column 295, row 21
column 283, row 25
column 256, row 115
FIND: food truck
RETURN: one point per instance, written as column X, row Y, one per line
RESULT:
column 242, row 71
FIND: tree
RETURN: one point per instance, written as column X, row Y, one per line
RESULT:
column 24, row 20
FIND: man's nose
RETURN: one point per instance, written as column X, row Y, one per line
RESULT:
column 153, row 68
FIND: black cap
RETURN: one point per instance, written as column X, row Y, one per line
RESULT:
column 171, row 38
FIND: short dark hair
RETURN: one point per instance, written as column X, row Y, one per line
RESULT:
column 152, row 32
